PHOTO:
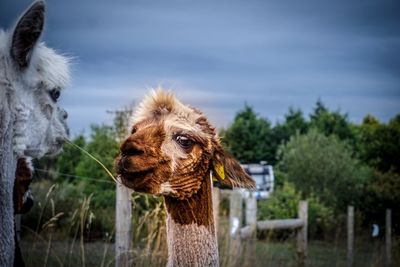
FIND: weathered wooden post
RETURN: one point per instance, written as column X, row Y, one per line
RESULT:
column 123, row 225
column 350, row 236
column 216, row 201
column 235, row 217
column 388, row 238
column 251, row 212
column 302, row 233
column 251, row 222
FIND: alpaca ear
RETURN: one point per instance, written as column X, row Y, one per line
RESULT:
column 27, row 33
column 227, row 172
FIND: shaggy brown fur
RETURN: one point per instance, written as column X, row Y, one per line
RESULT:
column 23, row 178
column 173, row 151
column 196, row 209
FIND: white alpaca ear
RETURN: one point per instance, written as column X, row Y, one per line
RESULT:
column 26, row 34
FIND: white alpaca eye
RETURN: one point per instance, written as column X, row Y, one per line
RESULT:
column 184, row 141
column 54, row 94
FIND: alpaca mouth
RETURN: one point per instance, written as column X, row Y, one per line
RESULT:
column 56, row 146
column 60, row 141
column 135, row 175
column 136, row 181
column 129, row 174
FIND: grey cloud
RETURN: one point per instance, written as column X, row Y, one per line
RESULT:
column 220, row 54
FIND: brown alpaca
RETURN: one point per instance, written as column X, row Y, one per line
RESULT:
column 174, row 151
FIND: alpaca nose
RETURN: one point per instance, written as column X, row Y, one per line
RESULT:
column 130, row 148
column 63, row 114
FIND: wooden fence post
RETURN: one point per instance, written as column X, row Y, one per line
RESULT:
column 388, row 238
column 350, row 236
column 235, row 217
column 123, row 226
column 251, row 212
column 251, row 221
column 302, row 234
column 216, row 201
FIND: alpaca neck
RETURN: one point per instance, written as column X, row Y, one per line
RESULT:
column 8, row 161
column 191, row 232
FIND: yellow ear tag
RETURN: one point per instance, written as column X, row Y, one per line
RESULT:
column 213, row 177
column 219, row 168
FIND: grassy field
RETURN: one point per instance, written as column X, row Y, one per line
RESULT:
column 268, row 253
column 50, row 245
column 320, row 254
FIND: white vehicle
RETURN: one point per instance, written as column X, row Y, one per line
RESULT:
column 263, row 175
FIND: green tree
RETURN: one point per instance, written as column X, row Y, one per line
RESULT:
column 294, row 123
column 381, row 144
column 249, row 137
column 284, row 202
column 323, row 166
column 331, row 122
column 121, row 122
column 69, row 159
column 103, row 146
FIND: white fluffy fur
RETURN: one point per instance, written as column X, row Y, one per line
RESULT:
column 31, row 123
column 195, row 245
column 49, row 67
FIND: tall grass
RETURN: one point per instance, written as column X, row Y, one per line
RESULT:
column 54, row 243
column 64, row 238
column 149, row 237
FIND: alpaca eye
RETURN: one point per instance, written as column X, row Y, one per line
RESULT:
column 54, row 94
column 184, row 142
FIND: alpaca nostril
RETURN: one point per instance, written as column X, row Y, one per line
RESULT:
column 131, row 150
column 65, row 115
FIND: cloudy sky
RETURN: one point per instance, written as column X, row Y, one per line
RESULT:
column 218, row 55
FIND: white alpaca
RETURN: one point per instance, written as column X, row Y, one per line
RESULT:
column 31, row 122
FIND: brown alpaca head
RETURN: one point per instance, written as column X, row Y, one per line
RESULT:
column 172, row 148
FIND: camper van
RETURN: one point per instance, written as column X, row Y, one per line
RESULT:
column 263, row 175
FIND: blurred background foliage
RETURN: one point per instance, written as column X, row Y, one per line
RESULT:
column 323, row 158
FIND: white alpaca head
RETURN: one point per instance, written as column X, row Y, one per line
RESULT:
column 32, row 76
